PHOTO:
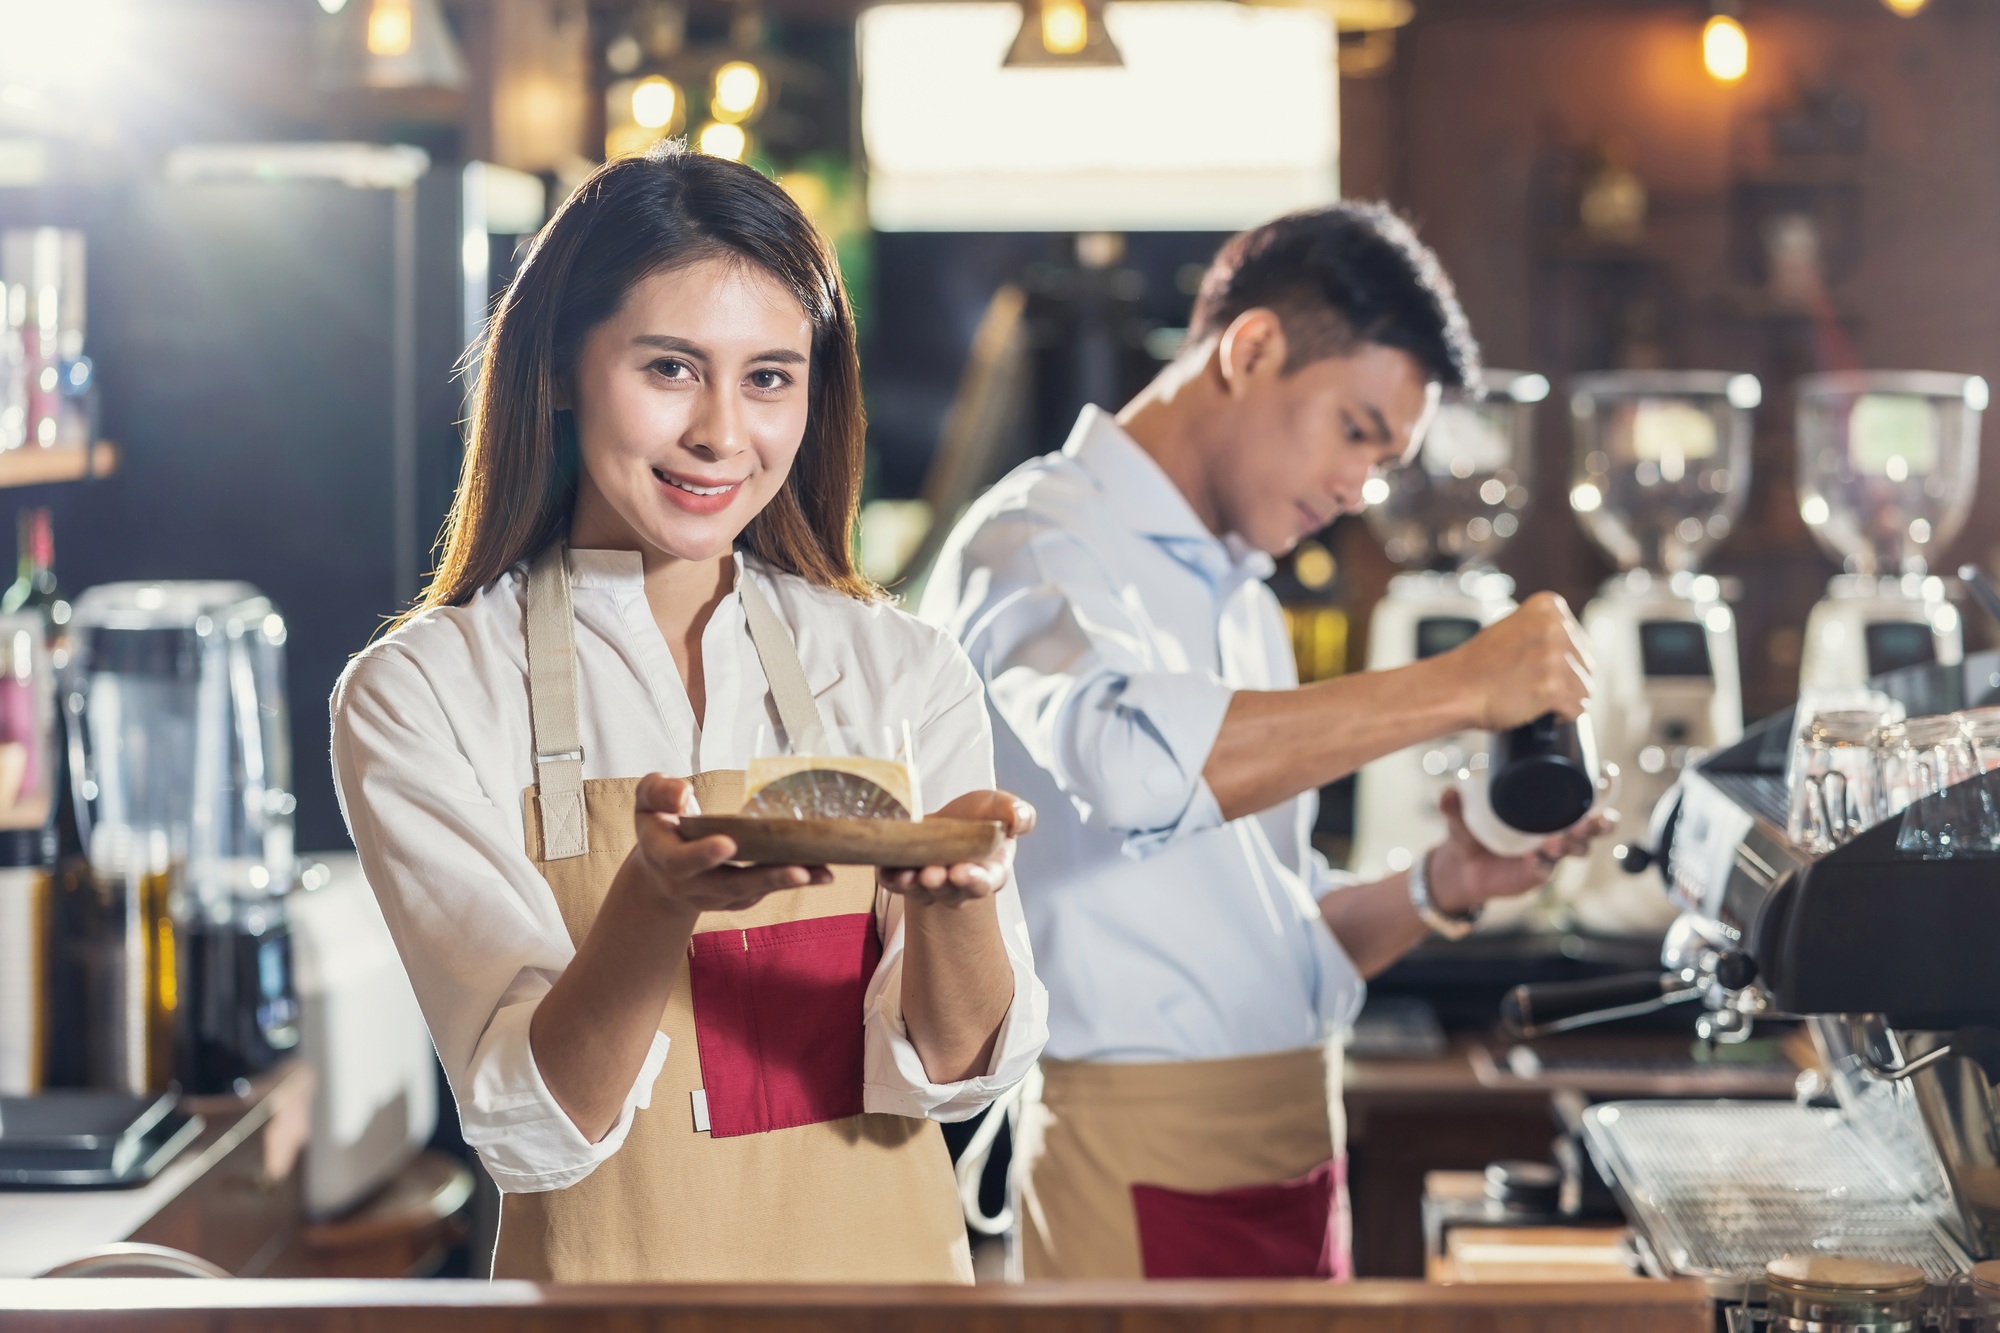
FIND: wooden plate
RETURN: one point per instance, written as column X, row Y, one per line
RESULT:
column 851, row 842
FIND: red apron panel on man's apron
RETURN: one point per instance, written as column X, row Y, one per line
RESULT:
column 1290, row 1229
column 778, row 1018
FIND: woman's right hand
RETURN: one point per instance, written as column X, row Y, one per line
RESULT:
column 691, row 876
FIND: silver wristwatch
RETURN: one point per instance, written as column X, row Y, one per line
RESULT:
column 1446, row 926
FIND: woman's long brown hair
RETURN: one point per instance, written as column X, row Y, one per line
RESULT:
column 630, row 219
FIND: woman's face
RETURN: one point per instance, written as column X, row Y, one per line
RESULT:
column 690, row 403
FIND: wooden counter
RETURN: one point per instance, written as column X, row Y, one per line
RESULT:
column 167, row 1306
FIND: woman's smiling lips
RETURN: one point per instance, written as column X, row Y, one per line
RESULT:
column 695, row 495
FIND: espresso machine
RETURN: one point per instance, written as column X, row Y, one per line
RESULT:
column 180, row 768
column 1885, row 955
column 1443, row 516
column 1662, row 470
column 1888, row 462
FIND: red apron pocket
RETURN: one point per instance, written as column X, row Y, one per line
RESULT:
column 777, row 1020
column 1296, row 1228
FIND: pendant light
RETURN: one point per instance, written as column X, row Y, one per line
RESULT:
column 1725, row 47
column 1057, row 33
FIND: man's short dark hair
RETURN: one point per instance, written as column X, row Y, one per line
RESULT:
column 1337, row 277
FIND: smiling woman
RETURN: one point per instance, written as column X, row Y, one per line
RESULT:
column 639, row 232
column 678, row 1068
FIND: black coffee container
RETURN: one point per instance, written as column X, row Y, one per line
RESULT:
column 1543, row 775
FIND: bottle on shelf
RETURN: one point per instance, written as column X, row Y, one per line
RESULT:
column 34, row 585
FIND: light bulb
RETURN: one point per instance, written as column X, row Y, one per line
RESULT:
column 1585, row 498
column 1065, row 27
column 1725, row 49
column 1907, row 9
column 389, row 28
column 1374, row 491
column 738, row 86
column 721, row 139
column 653, row 102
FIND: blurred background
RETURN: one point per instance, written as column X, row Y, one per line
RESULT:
column 248, row 244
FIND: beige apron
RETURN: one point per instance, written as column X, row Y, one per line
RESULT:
column 864, row 1198
column 1196, row 1127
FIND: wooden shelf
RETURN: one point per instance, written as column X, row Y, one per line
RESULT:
column 33, row 466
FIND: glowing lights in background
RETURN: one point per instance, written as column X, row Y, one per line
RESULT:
column 1907, row 9
column 68, row 45
column 1065, row 27
column 655, row 103
column 1063, row 32
column 1725, row 49
column 956, row 142
column 390, row 28
column 714, row 93
column 719, row 138
column 738, row 92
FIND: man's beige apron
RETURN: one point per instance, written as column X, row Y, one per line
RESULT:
column 866, row 1198
column 1196, row 1127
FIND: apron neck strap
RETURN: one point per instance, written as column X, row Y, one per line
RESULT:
column 805, row 729
column 554, row 705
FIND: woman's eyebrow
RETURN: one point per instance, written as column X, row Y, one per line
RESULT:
column 784, row 356
column 668, row 343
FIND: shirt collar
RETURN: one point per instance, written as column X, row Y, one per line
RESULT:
column 618, row 570
column 1154, row 507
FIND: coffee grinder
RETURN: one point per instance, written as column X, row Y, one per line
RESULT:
column 1662, row 469
column 1888, row 461
column 1442, row 517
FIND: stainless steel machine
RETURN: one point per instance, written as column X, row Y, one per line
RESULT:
column 1887, row 957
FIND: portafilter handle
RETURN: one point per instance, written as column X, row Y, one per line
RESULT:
column 1559, row 1006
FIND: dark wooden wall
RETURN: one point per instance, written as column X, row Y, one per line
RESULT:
column 1886, row 131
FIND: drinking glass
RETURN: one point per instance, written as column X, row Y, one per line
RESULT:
column 1982, row 728
column 1836, row 780
column 1947, row 814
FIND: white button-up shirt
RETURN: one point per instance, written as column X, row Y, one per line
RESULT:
column 1111, row 628
column 432, row 751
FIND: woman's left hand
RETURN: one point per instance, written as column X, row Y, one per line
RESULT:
column 936, row 886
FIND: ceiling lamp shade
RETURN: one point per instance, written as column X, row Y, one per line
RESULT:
column 393, row 44
column 1063, row 33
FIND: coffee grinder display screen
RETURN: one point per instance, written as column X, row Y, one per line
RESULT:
column 1895, row 644
column 1674, row 648
column 1441, row 634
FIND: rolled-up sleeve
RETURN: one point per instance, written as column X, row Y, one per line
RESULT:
column 954, row 756
column 474, row 921
column 1076, row 672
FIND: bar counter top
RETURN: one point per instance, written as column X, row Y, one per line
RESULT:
column 158, row 1305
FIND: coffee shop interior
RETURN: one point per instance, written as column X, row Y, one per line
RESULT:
column 1732, row 269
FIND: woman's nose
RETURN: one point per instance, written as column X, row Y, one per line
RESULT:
column 717, row 428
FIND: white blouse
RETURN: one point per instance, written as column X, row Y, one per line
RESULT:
column 431, row 753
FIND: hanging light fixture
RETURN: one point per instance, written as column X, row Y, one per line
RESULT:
column 1905, row 9
column 391, row 44
column 390, row 28
column 1725, row 47
column 1063, row 32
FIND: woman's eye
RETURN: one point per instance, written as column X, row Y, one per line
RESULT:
column 769, row 381
column 672, row 368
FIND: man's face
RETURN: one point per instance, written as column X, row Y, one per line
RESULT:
column 1302, row 445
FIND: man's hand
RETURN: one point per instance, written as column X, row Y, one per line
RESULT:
column 1535, row 661
column 1465, row 875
